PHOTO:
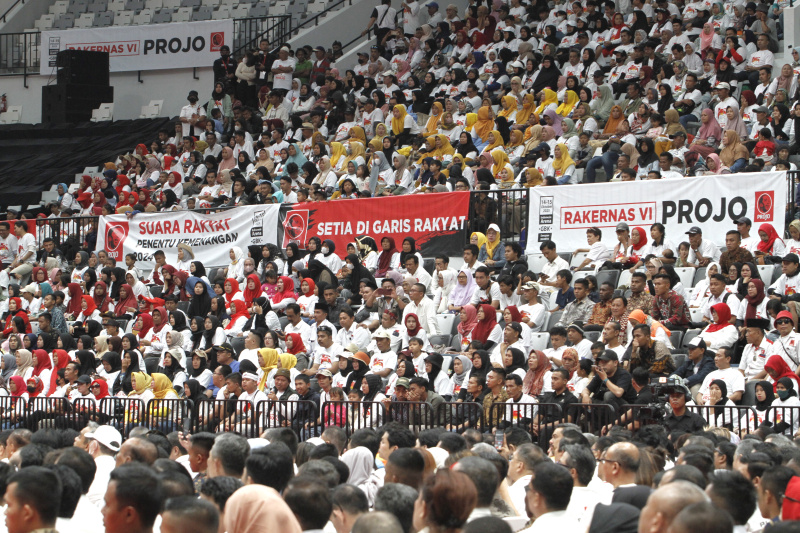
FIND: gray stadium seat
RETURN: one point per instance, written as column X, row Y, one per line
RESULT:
column 203, row 13
column 65, row 22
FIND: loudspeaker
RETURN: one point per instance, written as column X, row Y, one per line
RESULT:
column 73, row 103
column 82, row 67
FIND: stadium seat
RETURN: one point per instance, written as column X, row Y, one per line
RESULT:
column 78, row 7
column 686, row 274
column 624, row 279
column 679, row 359
column 539, row 341
column 125, row 18
column 190, row 3
column 675, row 339
column 240, row 12
column 210, row 3
column 12, row 116
column 445, row 323
column 237, row 343
column 700, row 274
column 155, row 4
column 439, row 339
column 171, row 4
column 145, row 16
column 222, row 13
column 45, row 22
column 183, row 14
column 593, row 335
column 60, row 7
column 579, row 275
column 688, row 336
column 106, row 18
column 610, row 276
column 116, row 6
column 86, row 20
column 65, row 22
column 259, row 10
column 577, row 258
column 697, row 313
column 203, row 13
column 162, row 17
column 102, row 113
column 134, row 5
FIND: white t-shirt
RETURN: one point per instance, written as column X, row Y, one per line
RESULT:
column 27, row 244
column 284, row 79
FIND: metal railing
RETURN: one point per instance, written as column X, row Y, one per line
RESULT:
column 4, row 16
column 506, row 208
column 248, row 32
column 68, row 232
column 20, row 53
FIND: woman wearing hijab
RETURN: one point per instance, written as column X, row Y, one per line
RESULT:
column 770, row 245
column 602, row 105
column 462, row 366
column 756, row 306
column 777, row 368
column 765, row 395
column 537, row 378
column 360, row 363
column 42, row 368
column 786, row 389
column 722, row 411
column 708, row 137
column 563, row 165
column 487, row 330
column 256, row 509
column 734, row 154
column 285, row 294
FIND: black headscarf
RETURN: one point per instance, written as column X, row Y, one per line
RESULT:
column 123, row 381
column 355, row 377
column 86, row 359
column 197, row 335
column 200, row 304
column 517, row 361
column 133, row 340
column 437, row 361
column 180, row 321
column 406, row 255
column 199, row 269
column 208, row 334
column 769, row 396
column 114, row 360
column 68, row 342
column 197, row 390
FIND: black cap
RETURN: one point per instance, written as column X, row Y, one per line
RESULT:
column 744, row 220
column 608, row 355
column 694, row 230
column 225, row 346
column 84, row 379
column 791, row 258
column 762, row 323
column 516, row 327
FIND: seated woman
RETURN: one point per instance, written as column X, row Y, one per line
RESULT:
column 492, row 253
column 721, row 333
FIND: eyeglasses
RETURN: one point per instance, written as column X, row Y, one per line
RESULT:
column 782, row 321
column 95, row 387
column 606, row 460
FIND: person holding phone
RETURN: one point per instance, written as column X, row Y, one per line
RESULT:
column 611, row 385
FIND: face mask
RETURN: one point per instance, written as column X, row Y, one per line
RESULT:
column 324, row 250
column 31, row 389
column 783, row 394
column 349, row 266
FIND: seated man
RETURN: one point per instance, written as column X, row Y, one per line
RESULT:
column 597, row 253
column 611, row 384
column 734, row 380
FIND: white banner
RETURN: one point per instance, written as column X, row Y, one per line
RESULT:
column 210, row 236
column 148, row 47
column 564, row 213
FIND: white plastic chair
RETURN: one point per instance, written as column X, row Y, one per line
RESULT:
column 103, row 113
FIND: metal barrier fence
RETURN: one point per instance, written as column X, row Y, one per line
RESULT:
column 67, row 232
column 248, row 32
column 785, row 419
column 733, row 417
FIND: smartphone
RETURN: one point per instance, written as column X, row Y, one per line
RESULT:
column 498, row 440
column 187, row 426
column 384, row 292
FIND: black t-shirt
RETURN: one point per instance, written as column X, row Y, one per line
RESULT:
column 690, row 422
column 621, row 378
column 645, row 397
column 565, row 399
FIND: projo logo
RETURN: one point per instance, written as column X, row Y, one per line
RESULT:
column 295, row 227
column 765, row 206
column 116, row 233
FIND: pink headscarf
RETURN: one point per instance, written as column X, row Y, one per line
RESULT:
column 710, row 128
column 706, row 38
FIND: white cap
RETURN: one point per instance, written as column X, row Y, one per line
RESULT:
column 108, row 436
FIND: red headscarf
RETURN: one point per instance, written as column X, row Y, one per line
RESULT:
column 180, row 281
column 75, row 293
column 129, row 301
column 250, row 295
column 723, row 317
column 385, row 259
column 147, row 323
column 97, row 204
column 36, row 271
column 533, row 382
column 171, row 270
column 466, row 327
column 772, row 236
column 38, row 386
column 62, row 362
column 412, row 332
column 90, row 305
column 297, row 344
column 241, row 310
column 234, row 290
column 102, row 301
column 485, row 326
column 174, row 179
column 288, row 290
column 311, row 286
column 19, row 381
column 782, row 370
column 164, row 319
column 754, row 301
column 103, row 384
column 516, row 316
column 43, row 362
column 142, row 150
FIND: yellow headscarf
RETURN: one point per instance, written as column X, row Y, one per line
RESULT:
column 398, row 124
column 481, row 238
column 516, row 139
column 511, row 106
column 534, row 135
column 143, row 382
column 550, row 97
column 357, row 134
column 534, row 177
column 356, row 150
column 562, row 163
column 527, row 108
column 430, row 149
column 491, row 245
column 162, row 386
column 433, row 122
column 459, row 160
column 498, row 141
column 500, row 161
column 447, row 148
column 472, row 118
column 484, row 123
column 569, row 104
column 376, row 144
column 288, row 361
column 337, row 151
column 270, row 356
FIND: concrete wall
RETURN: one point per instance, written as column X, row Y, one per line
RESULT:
column 24, row 15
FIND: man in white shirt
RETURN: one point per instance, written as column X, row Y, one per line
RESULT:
column 8, row 245
column 597, row 253
column 103, row 444
column 325, row 353
column 759, row 59
column 471, row 258
column 749, row 242
column 190, row 115
column 734, row 380
column 701, row 251
column 282, row 69
column 725, row 101
column 214, row 149
column 758, row 349
column 533, row 313
column 22, row 265
column 788, row 344
column 548, row 498
column 396, row 331
column 414, row 269
column 422, row 306
column 580, row 463
column 488, row 292
column 349, row 332
column 384, row 359
column 520, row 470
column 434, row 17
column 410, row 17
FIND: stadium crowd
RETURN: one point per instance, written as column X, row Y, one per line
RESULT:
column 197, row 399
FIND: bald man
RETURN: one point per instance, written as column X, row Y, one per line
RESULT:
column 666, row 502
column 618, row 466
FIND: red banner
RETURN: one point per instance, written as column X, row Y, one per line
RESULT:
column 436, row 221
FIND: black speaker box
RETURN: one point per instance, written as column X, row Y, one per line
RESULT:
column 82, row 67
column 73, row 103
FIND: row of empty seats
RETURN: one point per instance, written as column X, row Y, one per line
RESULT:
column 66, row 14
